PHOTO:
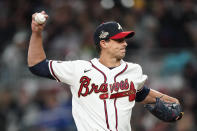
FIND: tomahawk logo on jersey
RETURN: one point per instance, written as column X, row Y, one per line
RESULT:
column 101, row 95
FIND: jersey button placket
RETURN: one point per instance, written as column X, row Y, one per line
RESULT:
column 110, row 104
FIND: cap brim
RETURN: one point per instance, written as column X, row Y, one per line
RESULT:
column 127, row 34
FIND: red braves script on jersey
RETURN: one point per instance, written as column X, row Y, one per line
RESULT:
column 115, row 87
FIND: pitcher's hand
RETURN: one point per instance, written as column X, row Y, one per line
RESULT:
column 38, row 28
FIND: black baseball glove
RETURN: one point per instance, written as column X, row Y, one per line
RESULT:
column 168, row 112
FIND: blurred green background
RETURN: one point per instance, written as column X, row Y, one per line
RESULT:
column 165, row 45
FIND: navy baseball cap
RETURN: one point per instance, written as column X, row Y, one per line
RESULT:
column 111, row 30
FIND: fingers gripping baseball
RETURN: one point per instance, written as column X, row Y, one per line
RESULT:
column 39, row 21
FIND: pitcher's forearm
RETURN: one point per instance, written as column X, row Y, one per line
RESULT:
column 35, row 52
column 151, row 98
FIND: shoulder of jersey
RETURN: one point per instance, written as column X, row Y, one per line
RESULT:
column 82, row 63
column 135, row 68
column 133, row 65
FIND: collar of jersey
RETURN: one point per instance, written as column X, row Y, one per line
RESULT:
column 103, row 68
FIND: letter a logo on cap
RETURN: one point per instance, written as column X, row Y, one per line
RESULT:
column 119, row 26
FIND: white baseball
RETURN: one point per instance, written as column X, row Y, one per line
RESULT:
column 39, row 18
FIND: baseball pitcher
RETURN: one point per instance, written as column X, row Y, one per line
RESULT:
column 104, row 89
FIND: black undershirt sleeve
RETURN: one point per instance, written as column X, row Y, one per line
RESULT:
column 42, row 69
column 141, row 95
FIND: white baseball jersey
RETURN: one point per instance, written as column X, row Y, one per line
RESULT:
column 102, row 98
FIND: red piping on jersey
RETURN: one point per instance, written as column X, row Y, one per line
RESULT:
column 51, row 67
column 116, row 114
column 116, row 98
column 120, row 72
column 106, row 116
column 105, row 78
column 105, row 106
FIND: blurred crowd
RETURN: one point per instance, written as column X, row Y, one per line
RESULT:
column 165, row 45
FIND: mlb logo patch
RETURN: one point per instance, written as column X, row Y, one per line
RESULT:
column 103, row 34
